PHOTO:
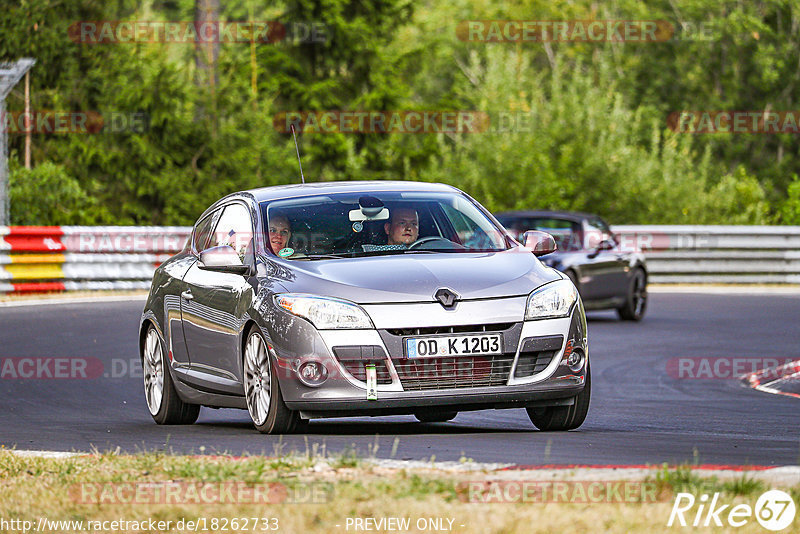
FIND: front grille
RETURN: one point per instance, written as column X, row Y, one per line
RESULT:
column 451, row 373
column 465, row 329
column 354, row 359
column 359, row 371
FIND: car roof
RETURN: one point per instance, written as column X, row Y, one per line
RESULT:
column 325, row 188
column 567, row 215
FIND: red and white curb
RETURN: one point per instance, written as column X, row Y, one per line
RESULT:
column 781, row 380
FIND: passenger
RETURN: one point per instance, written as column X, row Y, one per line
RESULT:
column 280, row 231
column 403, row 227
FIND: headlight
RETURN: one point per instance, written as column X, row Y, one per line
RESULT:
column 552, row 300
column 326, row 313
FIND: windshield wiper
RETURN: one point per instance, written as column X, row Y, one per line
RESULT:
column 331, row 256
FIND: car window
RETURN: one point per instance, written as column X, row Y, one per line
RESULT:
column 202, row 230
column 597, row 231
column 235, row 229
column 566, row 233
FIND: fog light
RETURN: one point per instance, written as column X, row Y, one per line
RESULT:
column 312, row 373
column 575, row 361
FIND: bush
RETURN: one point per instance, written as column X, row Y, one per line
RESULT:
column 587, row 149
column 790, row 211
column 47, row 195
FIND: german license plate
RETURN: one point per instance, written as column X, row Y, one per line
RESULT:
column 443, row 346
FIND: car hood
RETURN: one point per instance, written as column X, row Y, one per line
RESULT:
column 416, row 277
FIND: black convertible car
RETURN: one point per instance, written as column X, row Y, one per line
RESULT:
column 606, row 274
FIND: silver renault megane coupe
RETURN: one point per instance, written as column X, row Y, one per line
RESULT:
column 362, row 298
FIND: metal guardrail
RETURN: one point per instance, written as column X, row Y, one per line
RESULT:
column 68, row 258
column 718, row 254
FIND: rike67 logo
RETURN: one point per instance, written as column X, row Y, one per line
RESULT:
column 774, row 510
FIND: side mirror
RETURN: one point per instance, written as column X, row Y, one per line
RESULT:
column 540, row 243
column 222, row 259
column 605, row 244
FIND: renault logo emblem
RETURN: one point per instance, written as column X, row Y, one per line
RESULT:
column 446, row 297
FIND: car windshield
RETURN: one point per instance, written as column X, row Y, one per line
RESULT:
column 380, row 223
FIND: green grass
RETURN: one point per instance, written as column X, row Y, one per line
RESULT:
column 347, row 459
column 349, row 486
column 684, row 479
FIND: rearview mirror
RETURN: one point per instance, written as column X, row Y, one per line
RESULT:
column 222, row 259
column 369, row 209
column 540, row 243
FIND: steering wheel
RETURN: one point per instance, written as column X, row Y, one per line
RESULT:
column 418, row 243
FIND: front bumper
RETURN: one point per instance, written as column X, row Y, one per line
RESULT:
column 459, row 400
column 515, row 379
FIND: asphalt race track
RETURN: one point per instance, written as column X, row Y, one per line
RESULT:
column 640, row 412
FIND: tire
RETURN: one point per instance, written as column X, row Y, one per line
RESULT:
column 435, row 417
column 163, row 401
column 262, row 390
column 636, row 299
column 553, row 418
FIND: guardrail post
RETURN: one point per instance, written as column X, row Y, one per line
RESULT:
column 10, row 74
column 5, row 216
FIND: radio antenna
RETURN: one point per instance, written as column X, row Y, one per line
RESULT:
column 297, row 149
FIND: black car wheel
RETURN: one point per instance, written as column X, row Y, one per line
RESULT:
column 564, row 417
column 162, row 400
column 262, row 390
column 636, row 299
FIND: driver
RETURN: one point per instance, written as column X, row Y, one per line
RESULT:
column 403, row 227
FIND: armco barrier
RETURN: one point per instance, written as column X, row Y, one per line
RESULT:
column 718, row 254
column 68, row 258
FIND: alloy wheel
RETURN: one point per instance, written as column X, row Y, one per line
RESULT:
column 153, row 372
column 257, row 379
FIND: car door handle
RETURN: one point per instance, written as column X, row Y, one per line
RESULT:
column 187, row 294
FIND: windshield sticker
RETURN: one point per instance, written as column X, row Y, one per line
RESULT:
column 285, row 252
column 358, row 226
